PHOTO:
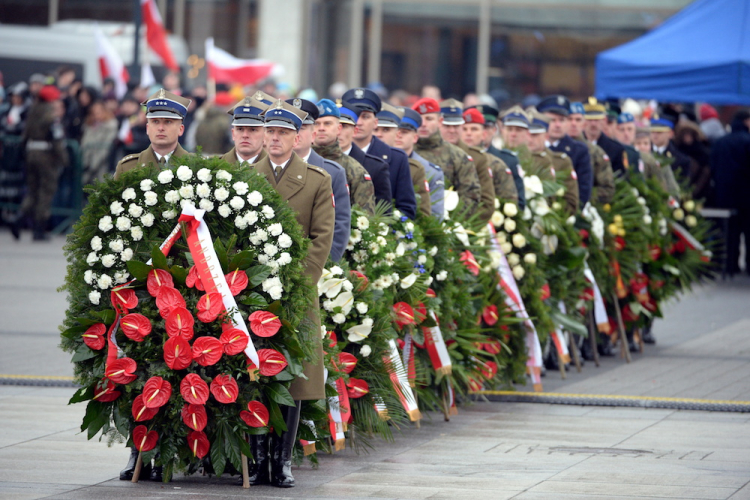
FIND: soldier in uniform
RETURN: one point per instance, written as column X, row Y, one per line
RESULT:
column 663, row 148
column 406, row 138
column 368, row 105
column 458, row 168
column 652, row 168
column 596, row 116
column 502, row 177
column 307, row 189
column 328, row 132
column 388, row 122
column 46, row 154
column 557, row 109
column 164, row 115
column 604, row 181
column 247, row 131
column 625, row 134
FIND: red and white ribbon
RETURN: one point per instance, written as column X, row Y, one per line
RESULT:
column 600, row 311
column 689, row 240
column 335, row 420
column 433, row 341
column 558, row 338
column 401, row 382
column 309, row 446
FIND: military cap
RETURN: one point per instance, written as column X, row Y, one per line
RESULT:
column 625, row 118
column 165, row 104
column 642, row 132
column 426, row 105
column 557, row 104
column 248, row 113
column 538, row 123
column 490, row 113
column 284, row 115
column 266, row 99
column 347, row 115
column 594, row 109
column 453, row 112
column 308, row 107
column 362, row 100
column 388, row 116
column 515, row 117
column 410, row 119
column 576, row 108
column 659, row 124
column 327, row 107
column 473, row 115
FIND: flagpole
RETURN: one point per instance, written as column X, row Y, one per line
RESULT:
column 137, row 36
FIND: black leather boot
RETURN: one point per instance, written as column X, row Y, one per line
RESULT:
column 605, row 346
column 126, row 474
column 632, row 345
column 259, row 471
column 281, row 454
column 157, row 471
column 646, row 335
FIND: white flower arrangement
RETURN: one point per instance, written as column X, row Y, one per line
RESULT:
column 128, row 194
column 184, row 173
column 165, row 176
column 116, row 208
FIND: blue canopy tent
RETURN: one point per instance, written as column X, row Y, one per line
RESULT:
column 702, row 53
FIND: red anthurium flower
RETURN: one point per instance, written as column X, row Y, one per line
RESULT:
column 545, row 293
column 333, row 339
column 237, row 281
column 198, row 442
column 264, row 323
column 431, row 293
column 177, row 353
column 654, row 251
column 474, row 385
column 194, row 389
column 94, row 336
column 363, row 280
column 271, row 362
column 158, row 278
column 167, row 300
column 123, row 299
column 105, row 391
column 180, row 323
column 256, row 414
column 587, row 294
column 420, row 312
column 225, row 389
column 135, row 326
column 209, row 307
column 143, row 439
column 490, row 315
column 619, row 243
column 121, row 371
column 207, row 351
column 156, row 392
column 470, row 262
column 194, row 280
column 489, row 370
column 404, row 314
column 493, row 346
column 347, row 362
column 356, row 388
column 628, row 315
column 400, row 342
column 140, row 411
column 195, row 416
column 234, row 341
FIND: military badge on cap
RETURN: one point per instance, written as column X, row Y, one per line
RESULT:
column 266, row 99
column 515, row 117
column 473, row 115
column 594, row 110
column 308, row 107
column 453, row 112
column 362, row 100
column 283, row 115
column 659, row 124
column 327, row 107
column 556, row 104
column 248, row 113
column 426, row 105
column 165, row 104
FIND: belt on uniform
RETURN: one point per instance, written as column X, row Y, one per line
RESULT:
column 38, row 145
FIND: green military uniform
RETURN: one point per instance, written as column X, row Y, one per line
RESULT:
column 481, row 165
column 361, row 188
column 654, row 169
column 146, row 157
column 421, row 187
column 460, row 173
column 566, row 175
column 502, row 178
column 231, row 156
column 604, row 177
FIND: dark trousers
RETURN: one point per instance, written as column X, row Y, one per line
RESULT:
column 738, row 225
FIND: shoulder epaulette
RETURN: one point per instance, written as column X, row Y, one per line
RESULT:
column 129, row 158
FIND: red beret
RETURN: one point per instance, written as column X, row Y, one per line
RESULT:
column 49, row 93
column 426, row 105
column 473, row 116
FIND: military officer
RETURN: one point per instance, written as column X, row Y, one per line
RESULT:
column 307, row 189
column 662, row 132
column 502, row 178
column 328, row 130
column 368, row 104
column 557, row 109
column 165, row 113
column 625, row 134
column 653, row 167
column 596, row 116
column 604, row 181
column 406, row 138
column 458, row 168
column 247, row 131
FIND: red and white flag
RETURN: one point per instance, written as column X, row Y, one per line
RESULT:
column 155, row 34
column 147, row 76
column 110, row 63
column 223, row 67
column 125, row 134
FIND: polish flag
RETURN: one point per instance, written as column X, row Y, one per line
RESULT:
column 147, row 76
column 125, row 134
column 223, row 67
column 110, row 63
column 155, row 34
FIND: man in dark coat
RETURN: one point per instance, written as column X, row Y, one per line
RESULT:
column 596, row 117
column 664, row 149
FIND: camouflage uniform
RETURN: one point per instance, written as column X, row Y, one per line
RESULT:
column 45, row 155
column 421, row 187
column 502, row 177
column 604, row 178
column 481, row 164
column 652, row 168
column 460, row 173
column 361, row 188
column 566, row 175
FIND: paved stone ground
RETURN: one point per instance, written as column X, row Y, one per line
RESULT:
column 489, row 450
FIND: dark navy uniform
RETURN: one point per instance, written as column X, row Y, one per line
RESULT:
column 342, row 227
column 579, row 155
column 402, row 189
column 379, row 172
column 511, row 159
column 614, row 150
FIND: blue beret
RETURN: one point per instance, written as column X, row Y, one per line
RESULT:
column 576, row 108
column 557, row 104
column 625, row 118
column 327, row 107
column 411, row 120
column 362, row 100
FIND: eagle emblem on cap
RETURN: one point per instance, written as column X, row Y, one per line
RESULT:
column 258, row 96
column 359, row 93
column 423, row 108
column 560, row 100
column 297, row 103
column 247, row 101
column 592, row 100
column 162, row 93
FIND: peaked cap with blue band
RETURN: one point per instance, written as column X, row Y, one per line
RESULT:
column 515, row 117
column 538, row 122
column 266, row 99
column 659, row 124
column 410, row 119
column 327, row 107
column 347, row 115
column 557, row 104
column 284, row 115
column 452, row 111
column 362, row 100
column 248, row 113
column 388, row 116
column 308, row 107
column 165, row 104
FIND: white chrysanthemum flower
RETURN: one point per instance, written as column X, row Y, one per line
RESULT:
column 116, row 208
column 224, row 210
column 239, row 222
column 678, row 214
column 513, row 259
column 497, row 219
column 184, row 173
column 251, row 217
column 204, row 175
column 285, row 241
column 169, row 214
column 240, row 188
column 690, row 220
column 422, row 259
column 338, row 318
column 203, row 190
column 374, row 248
column 506, row 247
column 275, row 229
column 92, row 258
column 363, row 222
column 276, row 292
column 147, row 220
column 221, row 194
column 146, row 185
column 136, row 233
column 433, row 251
column 96, row 243
column 509, row 225
column 689, row 205
column 135, row 210
column 94, row 297
column 187, row 192
column 165, row 176
column 328, row 305
column 347, row 285
column 362, row 307
column 237, row 203
column 128, row 194
column 105, row 223
column 518, row 240
column 263, row 259
column 367, row 321
column 268, row 212
column 121, row 277
column 172, row 196
column 255, row 198
column 397, row 213
column 270, row 249
column 442, row 275
column 223, row 175
column 104, row 281
column 384, row 229
column 114, row 245
column 556, row 206
column 150, row 199
column 642, row 200
column 365, row 351
column 518, row 272
column 510, row 209
column 88, row 277
column 284, row 259
column 356, row 236
column 123, row 223
column 530, row 258
column 206, row 205
column 126, row 254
